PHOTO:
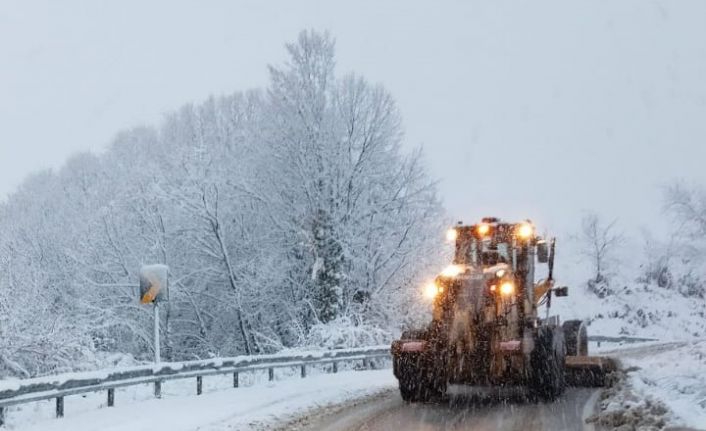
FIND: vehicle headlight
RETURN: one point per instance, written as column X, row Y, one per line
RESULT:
column 483, row 229
column 431, row 290
column 525, row 231
column 507, row 288
column 451, row 235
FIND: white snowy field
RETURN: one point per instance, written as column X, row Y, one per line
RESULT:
column 672, row 373
column 256, row 404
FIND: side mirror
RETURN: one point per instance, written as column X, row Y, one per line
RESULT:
column 561, row 291
column 542, row 252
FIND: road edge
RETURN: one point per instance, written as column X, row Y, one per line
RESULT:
column 328, row 417
column 590, row 409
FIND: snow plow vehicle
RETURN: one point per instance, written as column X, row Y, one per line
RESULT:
column 486, row 329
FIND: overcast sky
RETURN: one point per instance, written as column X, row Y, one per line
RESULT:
column 524, row 109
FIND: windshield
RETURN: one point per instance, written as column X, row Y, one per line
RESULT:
column 483, row 253
column 492, row 254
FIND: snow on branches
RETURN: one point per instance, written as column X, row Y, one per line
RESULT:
column 278, row 211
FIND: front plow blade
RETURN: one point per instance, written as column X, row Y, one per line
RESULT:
column 589, row 371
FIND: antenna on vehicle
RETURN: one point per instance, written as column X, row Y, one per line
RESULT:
column 552, row 246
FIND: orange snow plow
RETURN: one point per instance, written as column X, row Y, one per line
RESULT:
column 486, row 327
column 580, row 368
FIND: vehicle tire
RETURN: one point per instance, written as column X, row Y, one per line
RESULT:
column 576, row 338
column 418, row 383
column 547, row 362
column 406, row 368
column 409, row 391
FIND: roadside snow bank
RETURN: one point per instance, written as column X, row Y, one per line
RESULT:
column 620, row 408
column 259, row 406
column 665, row 384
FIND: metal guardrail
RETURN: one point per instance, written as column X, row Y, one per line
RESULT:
column 622, row 339
column 60, row 386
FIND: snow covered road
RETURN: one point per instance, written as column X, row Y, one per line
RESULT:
column 347, row 401
column 389, row 413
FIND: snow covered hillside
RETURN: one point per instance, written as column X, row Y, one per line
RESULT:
column 638, row 310
column 628, row 282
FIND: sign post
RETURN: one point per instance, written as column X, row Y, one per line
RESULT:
column 157, row 355
column 153, row 289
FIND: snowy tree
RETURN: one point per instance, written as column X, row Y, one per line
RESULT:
column 353, row 203
column 686, row 206
column 287, row 215
column 600, row 241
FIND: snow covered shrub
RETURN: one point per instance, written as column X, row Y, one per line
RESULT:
column 690, row 284
column 599, row 286
column 658, row 257
column 345, row 333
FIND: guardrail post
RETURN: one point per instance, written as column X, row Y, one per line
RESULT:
column 303, row 371
column 366, row 363
column 335, row 366
column 2, row 416
column 158, row 389
column 235, row 379
column 271, row 374
column 199, row 385
column 60, row 407
column 111, row 397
